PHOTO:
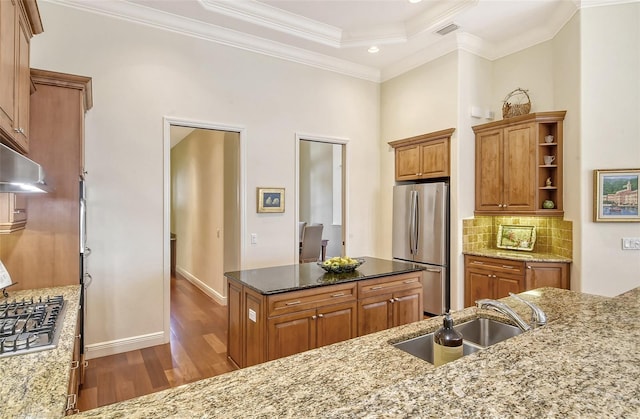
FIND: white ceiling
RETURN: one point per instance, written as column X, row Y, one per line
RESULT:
column 335, row 34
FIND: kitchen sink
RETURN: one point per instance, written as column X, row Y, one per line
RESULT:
column 486, row 332
column 477, row 334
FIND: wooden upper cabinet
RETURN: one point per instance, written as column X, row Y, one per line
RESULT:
column 19, row 21
column 423, row 157
column 511, row 174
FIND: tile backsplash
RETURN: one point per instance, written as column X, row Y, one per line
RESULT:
column 554, row 235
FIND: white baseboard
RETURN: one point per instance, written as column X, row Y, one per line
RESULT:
column 220, row 299
column 113, row 347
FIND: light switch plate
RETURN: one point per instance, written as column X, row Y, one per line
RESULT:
column 631, row 243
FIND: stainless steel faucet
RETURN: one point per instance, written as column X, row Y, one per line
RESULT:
column 538, row 317
column 504, row 309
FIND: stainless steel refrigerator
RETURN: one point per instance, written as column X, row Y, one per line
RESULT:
column 421, row 235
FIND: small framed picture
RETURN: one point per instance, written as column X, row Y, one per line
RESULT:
column 615, row 195
column 270, row 199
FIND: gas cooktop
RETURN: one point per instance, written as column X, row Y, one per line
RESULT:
column 30, row 325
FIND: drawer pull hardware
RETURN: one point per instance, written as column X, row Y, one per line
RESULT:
column 340, row 294
column 377, row 287
column 292, row 303
column 428, row 270
column 396, row 299
column 507, row 267
column 75, row 365
column 477, row 262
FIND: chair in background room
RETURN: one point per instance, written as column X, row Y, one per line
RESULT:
column 301, row 226
column 311, row 244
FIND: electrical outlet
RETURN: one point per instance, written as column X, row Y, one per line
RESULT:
column 631, row 243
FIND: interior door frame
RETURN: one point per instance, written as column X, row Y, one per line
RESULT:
column 344, row 142
column 168, row 121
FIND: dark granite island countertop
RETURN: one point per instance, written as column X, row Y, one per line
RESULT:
column 279, row 279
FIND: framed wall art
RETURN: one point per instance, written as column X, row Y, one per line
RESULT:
column 270, row 199
column 615, row 195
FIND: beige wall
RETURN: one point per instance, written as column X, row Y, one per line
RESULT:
column 142, row 74
column 610, row 139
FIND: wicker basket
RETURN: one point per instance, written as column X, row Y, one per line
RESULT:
column 509, row 110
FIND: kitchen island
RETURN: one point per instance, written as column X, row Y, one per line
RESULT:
column 583, row 363
column 284, row 310
column 35, row 385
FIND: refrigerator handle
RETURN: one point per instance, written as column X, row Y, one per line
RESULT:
column 416, row 222
column 411, row 227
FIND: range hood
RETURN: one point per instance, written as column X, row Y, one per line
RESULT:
column 18, row 174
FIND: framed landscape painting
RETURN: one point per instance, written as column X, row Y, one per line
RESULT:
column 270, row 199
column 615, row 195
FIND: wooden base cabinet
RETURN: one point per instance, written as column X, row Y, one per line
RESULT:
column 495, row 278
column 384, row 303
column 268, row 327
column 540, row 275
column 75, row 378
column 298, row 332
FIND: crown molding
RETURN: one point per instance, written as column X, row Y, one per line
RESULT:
column 154, row 18
column 273, row 18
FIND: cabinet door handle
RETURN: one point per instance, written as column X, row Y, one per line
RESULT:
column 72, row 399
column 339, row 294
column 292, row 303
column 314, row 317
column 75, row 365
column 320, row 315
column 391, row 300
column 499, row 205
column 529, row 267
column 396, row 299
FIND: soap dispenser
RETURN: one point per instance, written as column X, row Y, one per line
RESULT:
column 447, row 343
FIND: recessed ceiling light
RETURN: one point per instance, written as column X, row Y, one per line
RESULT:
column 373, row 49
column 415, row 1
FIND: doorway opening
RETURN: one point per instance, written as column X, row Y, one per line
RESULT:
column 203, row 207
column 322, row 189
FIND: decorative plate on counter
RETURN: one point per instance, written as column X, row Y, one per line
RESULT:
column 516, row 237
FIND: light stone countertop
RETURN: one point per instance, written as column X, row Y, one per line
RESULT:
column 585, row 363
column 518, row 255
column 35, row 385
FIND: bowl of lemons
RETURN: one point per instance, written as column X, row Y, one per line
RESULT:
column 341, row 264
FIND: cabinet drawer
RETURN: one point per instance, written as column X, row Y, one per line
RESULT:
column 316, row 297
column 495, row 264
column 389, row 284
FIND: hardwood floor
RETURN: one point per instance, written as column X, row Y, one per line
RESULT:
column 197, row 350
